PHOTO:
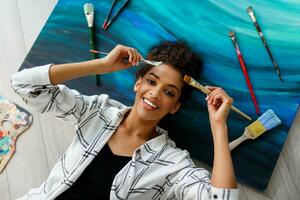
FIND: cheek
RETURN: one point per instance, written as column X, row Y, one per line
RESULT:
column 169, row 103
column 143, row 89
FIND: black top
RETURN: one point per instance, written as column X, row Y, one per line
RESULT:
column 96, row 180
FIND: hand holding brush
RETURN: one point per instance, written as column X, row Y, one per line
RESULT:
column 192, row 82
column 149, row 62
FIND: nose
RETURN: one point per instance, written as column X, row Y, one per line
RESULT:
column 155, row 92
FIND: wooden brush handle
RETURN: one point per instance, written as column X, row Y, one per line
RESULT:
column 241, row 113
column 237, row 141
column 207, row 91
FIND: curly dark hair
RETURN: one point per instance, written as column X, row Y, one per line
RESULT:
column 178, row 55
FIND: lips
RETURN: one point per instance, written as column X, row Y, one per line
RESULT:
column 149, row 105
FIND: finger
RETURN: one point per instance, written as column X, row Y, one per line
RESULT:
column 140, row 58
column 213, row 93
column 218, row 90
column 224, row 96
column 133, row 60
column 136, row 57
column 211, row 108
column 217, row 99
column 221, row 98
column 131, row 55
column 211, row 88
column 211, row 98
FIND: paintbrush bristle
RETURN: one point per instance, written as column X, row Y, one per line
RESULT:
column 265, row 122
column 249, row 9
column 88, row 9
column 89, row 14
column 187, row 79
column 269, row 119
column 231, row 34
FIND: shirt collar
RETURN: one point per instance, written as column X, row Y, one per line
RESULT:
column 149, row 149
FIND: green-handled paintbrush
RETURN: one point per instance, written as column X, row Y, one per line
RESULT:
column 89, row 14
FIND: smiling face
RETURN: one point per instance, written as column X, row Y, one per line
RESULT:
column 158, row 92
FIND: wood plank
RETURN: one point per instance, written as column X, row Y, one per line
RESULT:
column 251, row 193
column 29, row 163
column 4, row 189
column 242, row 194
column 12, row 42
column 283, row 184
column 30, row 153
column 33, row 15
column 291, row 153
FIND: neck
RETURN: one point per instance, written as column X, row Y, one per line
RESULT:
column 139, row 128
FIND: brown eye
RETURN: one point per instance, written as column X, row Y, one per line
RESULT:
column 169, row 93
column 150, row 81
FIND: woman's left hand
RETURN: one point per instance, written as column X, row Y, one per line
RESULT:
column 219, row 104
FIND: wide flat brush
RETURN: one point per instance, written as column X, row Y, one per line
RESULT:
column 189, row 80
column 262, row 37
column 89, row 14
column 265, row 122
column 242, row 64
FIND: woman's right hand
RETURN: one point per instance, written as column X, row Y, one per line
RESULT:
column 117, row 58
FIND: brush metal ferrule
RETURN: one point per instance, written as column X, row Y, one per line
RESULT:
column 90, row 19
column 233, row 39
column 256, row 129
column 196, row 84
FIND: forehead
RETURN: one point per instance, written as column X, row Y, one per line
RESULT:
column 168, row 75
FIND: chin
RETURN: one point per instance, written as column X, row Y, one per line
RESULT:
column 144, row 115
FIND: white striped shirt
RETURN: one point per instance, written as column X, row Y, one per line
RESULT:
column 157, row 170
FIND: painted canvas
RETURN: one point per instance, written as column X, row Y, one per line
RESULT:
column 204, row 25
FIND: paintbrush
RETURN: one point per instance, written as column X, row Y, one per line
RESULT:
column 89, row 14
column 108, row 20
column 150, row 62
column 242, row 64
column 189, row 80
column 265, row 122
column 251, row 13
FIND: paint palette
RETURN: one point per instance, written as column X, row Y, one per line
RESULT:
column 14, row 120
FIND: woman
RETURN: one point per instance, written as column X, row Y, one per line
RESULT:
column 119, row 152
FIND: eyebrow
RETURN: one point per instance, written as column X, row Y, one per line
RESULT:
column 170, row 85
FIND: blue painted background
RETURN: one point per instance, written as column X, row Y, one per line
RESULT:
column 204, row 25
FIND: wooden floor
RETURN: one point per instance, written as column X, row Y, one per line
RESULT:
column 39, row 147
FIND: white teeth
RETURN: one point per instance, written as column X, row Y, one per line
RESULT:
column 150, row 103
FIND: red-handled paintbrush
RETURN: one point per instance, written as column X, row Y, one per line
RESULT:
column 108, row 20
column 242, row 63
